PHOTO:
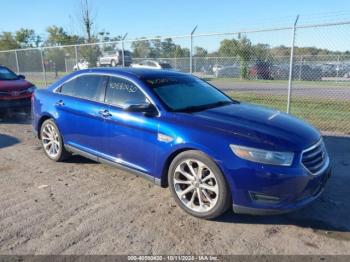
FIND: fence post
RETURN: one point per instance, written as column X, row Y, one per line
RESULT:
column 123, row 57
column 17, row 64
column 76, row 55
column 43, row 65
column 291, row 65
column 191, row 49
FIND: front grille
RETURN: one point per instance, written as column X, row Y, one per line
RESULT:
column 4, row 93
column 315, row 158
column 11, row 93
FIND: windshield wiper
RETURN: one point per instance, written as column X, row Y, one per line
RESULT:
column 203, row 107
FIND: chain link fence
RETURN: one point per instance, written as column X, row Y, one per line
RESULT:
column 304, row 70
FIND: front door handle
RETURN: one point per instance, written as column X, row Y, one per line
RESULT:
column 105, row 113
column 59, row 103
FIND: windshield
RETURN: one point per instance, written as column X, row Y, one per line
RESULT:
column 165, row 65
column 7, row 74
column 186, row 93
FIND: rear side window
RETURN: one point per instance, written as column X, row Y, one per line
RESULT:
column 121, row 92
column 91, row 87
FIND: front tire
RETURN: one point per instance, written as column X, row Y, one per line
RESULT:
column 197, row 185
column 52, row 141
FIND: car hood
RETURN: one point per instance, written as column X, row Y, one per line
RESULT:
column 14, row 85
column 256, row 126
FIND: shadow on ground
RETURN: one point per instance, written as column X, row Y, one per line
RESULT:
column 76, row 159
column 331, row 212
column 6, row 141
column 15, row 118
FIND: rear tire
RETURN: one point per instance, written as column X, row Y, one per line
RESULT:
column 198, row 185
column 52, row 141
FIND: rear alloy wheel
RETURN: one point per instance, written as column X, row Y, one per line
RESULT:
column 198, row 185
column 52, row 141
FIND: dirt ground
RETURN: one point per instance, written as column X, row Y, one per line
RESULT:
column 82, row 207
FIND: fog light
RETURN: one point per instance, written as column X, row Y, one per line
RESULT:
column 264, row 198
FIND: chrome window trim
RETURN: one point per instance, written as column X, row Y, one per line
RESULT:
column 108, row 75
column 326, row 161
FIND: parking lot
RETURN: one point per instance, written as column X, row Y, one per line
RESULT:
column 82, row 207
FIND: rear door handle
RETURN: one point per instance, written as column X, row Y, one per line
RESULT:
column 105, row 113
column 59, row 103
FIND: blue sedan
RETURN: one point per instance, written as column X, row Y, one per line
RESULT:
column 177, row 130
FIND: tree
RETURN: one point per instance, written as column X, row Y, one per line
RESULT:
column 200, row 51
column 55, row 57
column 8, row 41
column 58, row 36
column 168, row 47
column 181, row 52
column 241, row 48
column 27, row 38
column 156, row 48
column 261, row 52
column 141, row 48
column 87, row 19
column 104, row 36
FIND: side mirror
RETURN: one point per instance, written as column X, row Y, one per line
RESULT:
column 146, row 108
column 21, row 77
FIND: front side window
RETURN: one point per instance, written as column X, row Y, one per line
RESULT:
column 121, row 92
column 89, row 87
column 186, row 93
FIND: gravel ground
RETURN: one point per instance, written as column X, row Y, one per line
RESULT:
column 82, row 207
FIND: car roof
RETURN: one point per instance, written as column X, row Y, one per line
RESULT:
column 134, row 72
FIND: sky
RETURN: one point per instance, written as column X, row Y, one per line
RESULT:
column 177, row 17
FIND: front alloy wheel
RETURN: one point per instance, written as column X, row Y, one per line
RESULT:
column 198, row 185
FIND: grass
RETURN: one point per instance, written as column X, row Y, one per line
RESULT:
column 285, row 82
column 326, row 115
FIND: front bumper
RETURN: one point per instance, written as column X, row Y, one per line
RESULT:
column 284, row 207
column 266, row 191
column 15, row 103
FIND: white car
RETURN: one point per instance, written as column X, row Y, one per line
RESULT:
column 82, row 64
column 115, row 58
column 227, row 71
column 152, row 65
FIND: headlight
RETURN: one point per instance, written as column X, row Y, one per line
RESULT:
column 31, row 89
column 263, row 156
